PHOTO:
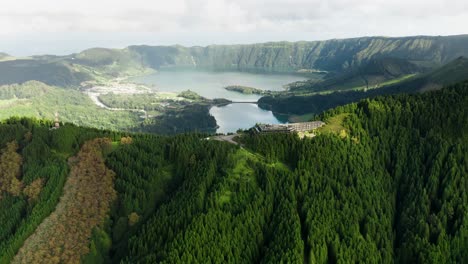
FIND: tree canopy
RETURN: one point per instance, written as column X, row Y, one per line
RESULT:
column 390, row 186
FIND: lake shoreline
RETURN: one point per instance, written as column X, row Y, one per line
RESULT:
column 212, row 85
column 241, row 110
column 234, row 116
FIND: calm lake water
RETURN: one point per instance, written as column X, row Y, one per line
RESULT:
column 234, row 116
column 211, row 85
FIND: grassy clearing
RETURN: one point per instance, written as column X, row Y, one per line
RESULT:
column 354, row 87
column 225, row 197
column 241, row 170
column 335, row 125
column 398, row 80
column 358, row 84
column 387, row 83
column 242, row 173
column 306, row 134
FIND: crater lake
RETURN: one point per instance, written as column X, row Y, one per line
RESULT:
column 211, row 84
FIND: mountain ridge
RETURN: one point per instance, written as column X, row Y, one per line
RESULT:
column 335, row 56
column 371, row 74
column 290, row 103
column 328, row 55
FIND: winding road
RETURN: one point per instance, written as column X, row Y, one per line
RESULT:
column 95, row 98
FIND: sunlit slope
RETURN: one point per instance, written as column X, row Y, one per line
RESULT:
column 375, row 73
column 384, row 181
column 453, row 72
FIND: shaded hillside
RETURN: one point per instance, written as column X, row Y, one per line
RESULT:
column 452, row 72
column 164, row 56
column 334, row 56
column 288, row 103
column 51, row 73
column 330, row 55
column 374, row 73
column 100, row 57
column 112, row 62
column 388, row 67
column 71, row 71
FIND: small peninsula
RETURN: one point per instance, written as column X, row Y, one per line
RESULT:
column 246, row 89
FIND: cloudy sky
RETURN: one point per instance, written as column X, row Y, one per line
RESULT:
column 65, row 26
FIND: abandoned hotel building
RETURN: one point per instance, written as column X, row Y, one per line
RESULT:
column 288, row 128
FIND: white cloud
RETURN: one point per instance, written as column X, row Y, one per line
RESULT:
column 204, row 21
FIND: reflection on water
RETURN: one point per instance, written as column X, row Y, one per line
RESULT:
column 234, row 116
column 211, row 84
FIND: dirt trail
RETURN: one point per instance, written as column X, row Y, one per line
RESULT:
column 227, row 138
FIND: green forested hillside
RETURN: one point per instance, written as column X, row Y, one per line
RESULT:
column 303, row 102
column 412, row 149
column 375, row 73
column 451, row 73
column 71, row 71
column 110, row 62
column 34, row 188
column 336, row 56
column 331, row 55
column 38, row 100
column 141, row 112
column 388, row 186
column 50, row 72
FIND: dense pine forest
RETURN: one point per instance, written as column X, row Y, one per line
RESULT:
column 389, row 186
